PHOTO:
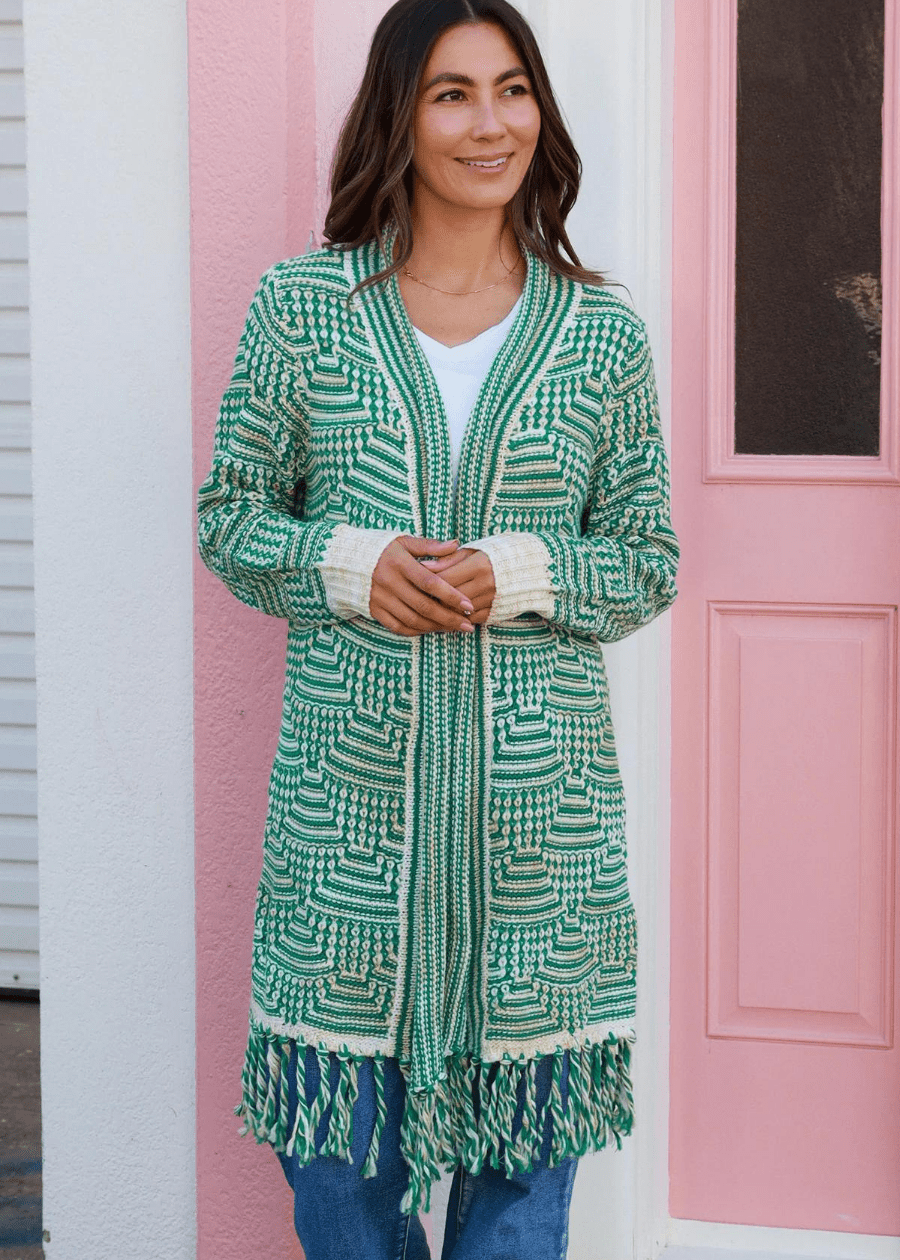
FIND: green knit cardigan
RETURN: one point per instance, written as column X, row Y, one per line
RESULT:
column 444, row 863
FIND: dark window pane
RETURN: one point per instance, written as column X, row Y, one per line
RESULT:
column 808, row 262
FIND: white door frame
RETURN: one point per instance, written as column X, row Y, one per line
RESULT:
column 610, row 64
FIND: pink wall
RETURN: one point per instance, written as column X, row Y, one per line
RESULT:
column 252, row 197
column 343, row 31
column 263, row 120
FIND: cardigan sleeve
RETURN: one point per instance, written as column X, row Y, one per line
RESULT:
column 619, row 574
column 348, row 564
column 249, row 533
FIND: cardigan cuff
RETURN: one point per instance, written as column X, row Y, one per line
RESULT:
column 348, row 564
column 521, row 564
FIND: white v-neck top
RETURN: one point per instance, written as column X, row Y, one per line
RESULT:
column 460, row 371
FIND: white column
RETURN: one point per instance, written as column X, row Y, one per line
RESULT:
column 106, row 90
column 610, row 64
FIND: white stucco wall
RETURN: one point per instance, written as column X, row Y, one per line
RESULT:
column 108, row 172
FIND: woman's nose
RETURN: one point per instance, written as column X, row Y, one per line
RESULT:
column 487, row 122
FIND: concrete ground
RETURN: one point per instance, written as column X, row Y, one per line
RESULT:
column 20, row 1131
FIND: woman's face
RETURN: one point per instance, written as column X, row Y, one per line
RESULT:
column 477, row 119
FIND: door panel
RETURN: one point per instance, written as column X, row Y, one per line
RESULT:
column 799, row 700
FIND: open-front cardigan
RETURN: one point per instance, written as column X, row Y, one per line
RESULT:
column 444, row 863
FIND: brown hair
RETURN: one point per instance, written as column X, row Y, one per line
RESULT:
column 371, row 175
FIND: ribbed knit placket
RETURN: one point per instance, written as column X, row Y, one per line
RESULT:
column 442, row 999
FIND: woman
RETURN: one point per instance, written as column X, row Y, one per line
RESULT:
column 445, row 943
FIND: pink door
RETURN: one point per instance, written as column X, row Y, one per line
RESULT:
column 785, row 1067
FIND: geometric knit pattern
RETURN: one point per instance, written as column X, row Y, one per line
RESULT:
column 444, row 858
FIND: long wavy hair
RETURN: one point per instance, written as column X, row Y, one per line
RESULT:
column 372, row 175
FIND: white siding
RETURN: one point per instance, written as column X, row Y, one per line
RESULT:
column 18, row 788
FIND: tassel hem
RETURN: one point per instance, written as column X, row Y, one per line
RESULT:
column 439, row 1128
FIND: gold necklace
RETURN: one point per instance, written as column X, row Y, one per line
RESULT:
column 470, row 292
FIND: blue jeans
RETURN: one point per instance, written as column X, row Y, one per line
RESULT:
column 339, row 1215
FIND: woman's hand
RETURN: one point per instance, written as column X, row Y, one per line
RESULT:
column 409, row 597
column 472, row 574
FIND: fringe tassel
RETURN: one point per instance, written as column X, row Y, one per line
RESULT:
column 624, row 1113
column 323, row 1097
column 439, row 1128
column 418, row 1146
column 340, row 1129
column 492, row 1123
column 465, row 1088
column 302, row 1139
column 270, row 1109
column 482, row 1145
column 508, row 1080
column 563, row 1131
column 370, row 1167
column 581, row 1106
column 279, row 1128
column 521, row 1155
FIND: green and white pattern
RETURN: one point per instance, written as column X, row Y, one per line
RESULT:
column 444, row 875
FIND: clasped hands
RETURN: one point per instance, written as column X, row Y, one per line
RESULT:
column 411, row 595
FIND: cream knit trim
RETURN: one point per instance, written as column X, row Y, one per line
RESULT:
column 363, row 1047
column 521, row 564
column 491, row 1050
column 348, row 564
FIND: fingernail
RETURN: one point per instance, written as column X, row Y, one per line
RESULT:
column 467, row 625
column 467, row 607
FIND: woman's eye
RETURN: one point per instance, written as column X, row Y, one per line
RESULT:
column 457, row 94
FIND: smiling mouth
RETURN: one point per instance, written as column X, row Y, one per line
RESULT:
column 486, row 164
